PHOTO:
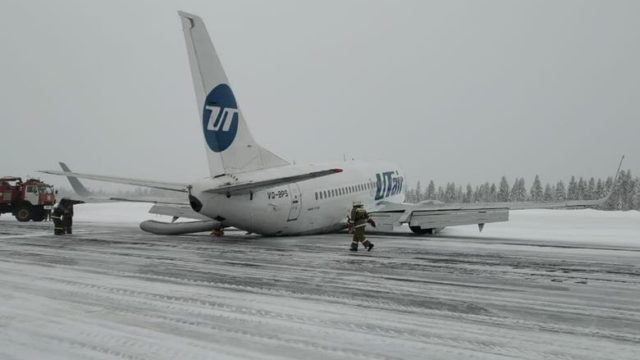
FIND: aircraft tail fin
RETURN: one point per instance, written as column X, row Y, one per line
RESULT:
column 229, row 144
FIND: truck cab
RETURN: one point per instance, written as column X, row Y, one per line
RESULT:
column 26, row 200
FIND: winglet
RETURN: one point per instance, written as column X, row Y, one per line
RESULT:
column 613, row 186
column 77, row 186
column 615, row 179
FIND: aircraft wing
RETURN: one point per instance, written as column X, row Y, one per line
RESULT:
column 180, row 187
column 249, row 186
column 87, row 196
column 429, row 217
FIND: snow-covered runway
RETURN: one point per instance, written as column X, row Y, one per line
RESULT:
column 548, row 284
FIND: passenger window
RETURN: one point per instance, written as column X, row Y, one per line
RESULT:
column 316, row 195
column 325, row 194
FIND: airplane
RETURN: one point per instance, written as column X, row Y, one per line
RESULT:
column 252, row 189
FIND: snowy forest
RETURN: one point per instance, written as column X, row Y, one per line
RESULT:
column 626, row 193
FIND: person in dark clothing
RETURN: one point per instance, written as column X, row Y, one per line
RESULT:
column 62, row 216
column 67, row 216
column 358, row 220
column 56, row 216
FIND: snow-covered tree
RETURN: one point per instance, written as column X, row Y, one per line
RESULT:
column 636, row 199
column 628, row 190
column 620, row 192
column 450, row 193
column 503, row 193
column 459, row 194
column 608, row 185
column 418, row 192
column 600, row 191
column 581, row 189
column 561, row 194
column 518, row 191
column 536, row 190
column 431, row 191
column 590, row 193
column 468, row 195
column 548, row 193
column 572, row 190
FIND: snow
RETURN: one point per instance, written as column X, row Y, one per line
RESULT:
column 548, row 284
column 115, row 213
column 608, row 228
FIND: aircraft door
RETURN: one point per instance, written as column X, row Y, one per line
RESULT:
column 296, row 202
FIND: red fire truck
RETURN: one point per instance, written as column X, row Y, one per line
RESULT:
column 26, row 200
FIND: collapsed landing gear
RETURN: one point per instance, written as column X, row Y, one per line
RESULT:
column 217, row 232
column 420, row 231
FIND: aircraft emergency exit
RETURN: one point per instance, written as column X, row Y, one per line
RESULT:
column 252, row 189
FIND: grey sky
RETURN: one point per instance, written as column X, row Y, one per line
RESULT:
column 463, row 91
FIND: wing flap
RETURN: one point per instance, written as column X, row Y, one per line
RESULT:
column 443, row 218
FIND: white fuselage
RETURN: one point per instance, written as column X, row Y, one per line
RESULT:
column 306, row 207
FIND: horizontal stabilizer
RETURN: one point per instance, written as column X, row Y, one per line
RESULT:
column 250, row 186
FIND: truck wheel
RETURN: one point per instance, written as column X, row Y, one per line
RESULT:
column 24, row 213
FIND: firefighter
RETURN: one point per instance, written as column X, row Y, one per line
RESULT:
column 56, row 216
column 358, row 220
column 67, row 216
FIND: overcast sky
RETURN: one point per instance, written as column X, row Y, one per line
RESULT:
column 463, row 91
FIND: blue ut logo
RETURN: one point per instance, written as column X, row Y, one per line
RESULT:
column 220, row 118
column 388, row 183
